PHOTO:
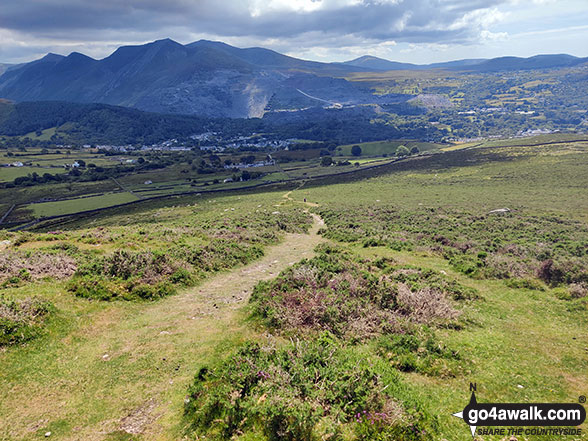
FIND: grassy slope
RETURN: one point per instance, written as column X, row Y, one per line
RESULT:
column 100, row 362
column 516, row 336
column 533, row 179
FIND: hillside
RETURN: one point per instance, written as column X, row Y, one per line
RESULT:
column 214, row 79
column 56, row 122
column 373, row 292
column 4, row 67
column 94, row 123
column 205, row 78
column 473, row 65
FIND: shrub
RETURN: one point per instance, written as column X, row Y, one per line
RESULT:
column 525, row 284
column 420, row 352
column 36, row 265
column 152, row 292
column 578, row 290
column 373, row 242
column 182, row 277
column 466, row 264
column 355, row 298
column 96, row 287
column 150, row 266
column 302, row 391
column 571, row 270
column 503, row 247
column 101, row 288
column 21, row 320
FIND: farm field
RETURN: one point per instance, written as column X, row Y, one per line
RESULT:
column 176, row 178
column 387, row 294
column 46, row 209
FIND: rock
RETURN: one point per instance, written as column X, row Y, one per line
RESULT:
column 500, row 211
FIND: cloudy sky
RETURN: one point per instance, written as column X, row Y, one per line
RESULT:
column 419, row 31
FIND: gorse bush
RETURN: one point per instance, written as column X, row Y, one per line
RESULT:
column 21, row 320
column 313, row 390
column 355, row 298
column 102, row 288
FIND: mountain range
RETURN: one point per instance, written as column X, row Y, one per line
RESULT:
column 474, row 65
column 218, row 80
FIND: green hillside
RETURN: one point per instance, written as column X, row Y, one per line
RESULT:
column 354, row 307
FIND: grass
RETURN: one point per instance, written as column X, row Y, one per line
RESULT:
column 8, row 174
column 104, row 360
column 515, row 336
column 45, row 209
column 100, row 368
column 44, row 136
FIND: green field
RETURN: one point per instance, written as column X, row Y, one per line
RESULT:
column 169, row 173
column 68, row 206
column 8, row 174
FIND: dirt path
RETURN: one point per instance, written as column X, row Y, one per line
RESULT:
column 129, row 369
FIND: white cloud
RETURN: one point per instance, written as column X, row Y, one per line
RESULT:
column 316, row 29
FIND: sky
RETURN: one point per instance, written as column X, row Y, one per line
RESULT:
column 417, row 31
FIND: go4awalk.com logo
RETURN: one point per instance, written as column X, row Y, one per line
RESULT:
column 507, row 419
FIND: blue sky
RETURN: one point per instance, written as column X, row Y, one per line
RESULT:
column 418, row 31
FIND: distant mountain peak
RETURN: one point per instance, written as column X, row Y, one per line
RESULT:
column 213, row 78
column 52, row 57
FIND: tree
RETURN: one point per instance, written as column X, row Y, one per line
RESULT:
column 414, row 150
column 326, row 161
column 402, row 151
column 249, row 159
column 356, row 150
